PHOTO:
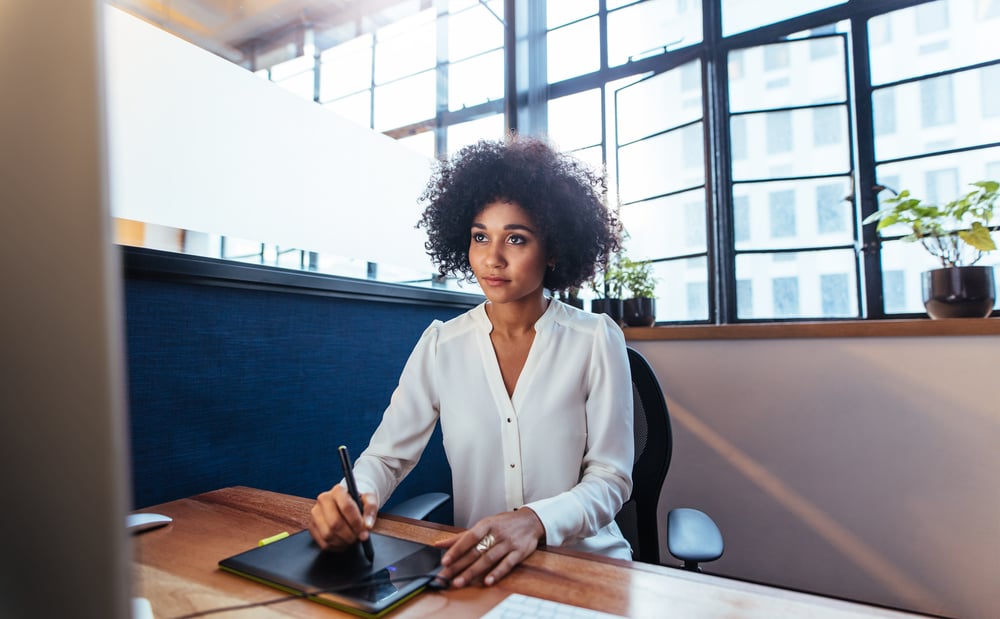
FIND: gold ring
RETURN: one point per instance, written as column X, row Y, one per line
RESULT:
column 485, row 543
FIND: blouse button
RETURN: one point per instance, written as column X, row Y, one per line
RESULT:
column 508, row 420
column 511, row 465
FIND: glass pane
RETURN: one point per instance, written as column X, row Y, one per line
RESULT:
column 593, row 157
column 652, row 27
column 765, row 81
column 573, row 50
column 681, row 289
column 902, row 265
column 782, row 144
column 740, row 15
column 405, row 102
column 815, row 284
column 658, row 103
column 805, row 213
column 474, row 31
column 940, row 179
column 356, row 108
column 917, row 41
column 575, row 121
column 559, row 12
column 346, row 68
column 406, row 47
column 487, row 128
column 475, row 80
column 422, row 143
column 661, row 164
column 666, row 227
column 937, row 114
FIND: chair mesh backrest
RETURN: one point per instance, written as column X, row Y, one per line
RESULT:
column 640, row 428
column 653, row 445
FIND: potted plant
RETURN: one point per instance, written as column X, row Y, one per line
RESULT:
column 608, row 286
column 639, row 308
column 957, row 234
column 571, row 296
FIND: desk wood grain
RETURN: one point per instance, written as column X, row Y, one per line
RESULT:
column 175, row 567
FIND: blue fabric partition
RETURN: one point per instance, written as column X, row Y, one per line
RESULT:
column 234, row 385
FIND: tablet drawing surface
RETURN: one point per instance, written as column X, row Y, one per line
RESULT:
column 346, row 579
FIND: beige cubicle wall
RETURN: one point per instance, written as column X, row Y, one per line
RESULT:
column 863, row 467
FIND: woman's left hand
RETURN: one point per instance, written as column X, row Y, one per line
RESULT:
column 514, row 536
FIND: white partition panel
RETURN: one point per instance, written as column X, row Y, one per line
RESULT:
column 199, row 143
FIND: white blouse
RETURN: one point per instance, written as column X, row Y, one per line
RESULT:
column 561, row 445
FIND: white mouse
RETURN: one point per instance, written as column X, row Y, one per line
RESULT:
column 137, row 523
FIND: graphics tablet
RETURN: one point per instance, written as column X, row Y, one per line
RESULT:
column 344, row 580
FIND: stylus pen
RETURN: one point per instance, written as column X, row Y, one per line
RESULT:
column 352, row 488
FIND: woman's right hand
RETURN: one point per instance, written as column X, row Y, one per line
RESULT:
column 335, row 521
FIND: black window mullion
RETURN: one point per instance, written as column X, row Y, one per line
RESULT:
column 864, row 195
column 718, row 174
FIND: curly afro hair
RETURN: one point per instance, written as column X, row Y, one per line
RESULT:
column 561, row 195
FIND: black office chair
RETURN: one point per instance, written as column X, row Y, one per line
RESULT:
column 692, row 536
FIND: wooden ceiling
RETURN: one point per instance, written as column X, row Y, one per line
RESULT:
column 235, row 29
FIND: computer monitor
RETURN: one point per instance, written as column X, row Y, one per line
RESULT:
column 63, row 451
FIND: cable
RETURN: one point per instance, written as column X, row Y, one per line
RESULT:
column 436, row 582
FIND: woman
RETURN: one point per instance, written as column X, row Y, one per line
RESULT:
column 534, row 396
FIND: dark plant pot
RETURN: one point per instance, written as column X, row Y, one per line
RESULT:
column 639, row 312
column 959, row 292
column 574, row 301
column 611, row 307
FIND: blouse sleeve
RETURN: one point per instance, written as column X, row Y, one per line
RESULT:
column 606, row 480
column 406, row 425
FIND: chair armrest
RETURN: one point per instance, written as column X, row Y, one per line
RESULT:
column 420, row 506
column 693, row 536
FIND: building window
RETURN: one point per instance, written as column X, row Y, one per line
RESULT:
column 830, row 209
column 989, row 90
column 782, row 210
column 744, row 298
column 937, row 102
column 741, row 218
column 827, row 126
column 835, row 294
column 894, row 291
column 932, row 17
column 785, row 296
column 884, row 111
column 779, row 132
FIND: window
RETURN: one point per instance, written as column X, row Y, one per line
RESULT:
column 894, row 291
column 835, row 295
column 937, row 105
column 989, row 90
column 828, row 126
column 884, row 111
column 775, row 57
column 634, row 104
column 829, row 209
column 741, row 218
column 744, row 298
column 940, row 185
column 738, row 137
column 779, row 132
column 782, row 209
column 785, row 296
column 932, row 17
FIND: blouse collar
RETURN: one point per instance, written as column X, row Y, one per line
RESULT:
column 547, row 317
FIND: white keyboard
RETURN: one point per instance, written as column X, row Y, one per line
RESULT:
column 517, row 606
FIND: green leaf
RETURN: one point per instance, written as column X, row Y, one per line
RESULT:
column 979, row 237
column 887, row 221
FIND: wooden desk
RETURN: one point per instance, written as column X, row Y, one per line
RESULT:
column 176, row 569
